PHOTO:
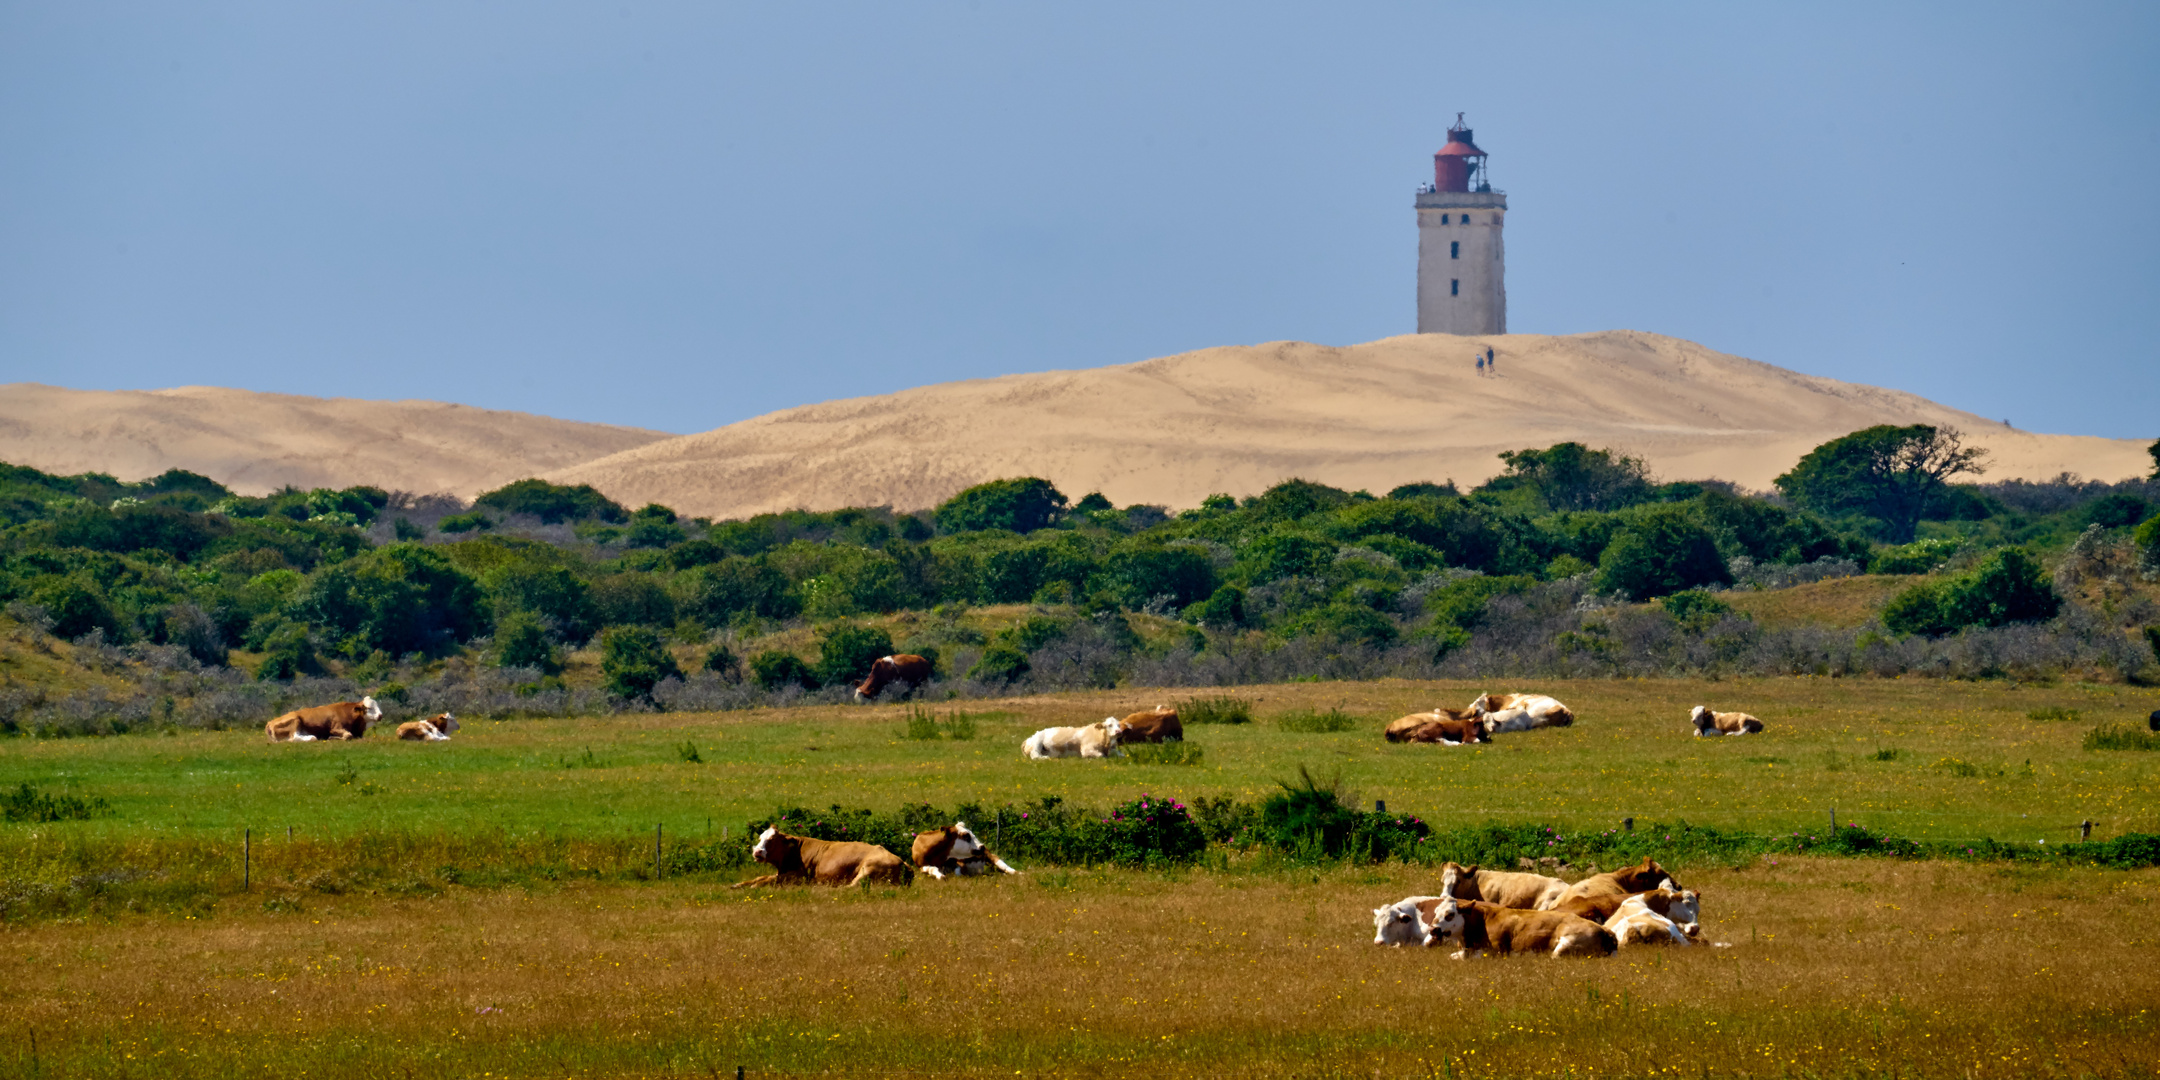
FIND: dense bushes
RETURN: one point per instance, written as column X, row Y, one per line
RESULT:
column 634, row 661
column 554, row 503
column 2006, row 587
column 1659, row 551
column 1021, row 505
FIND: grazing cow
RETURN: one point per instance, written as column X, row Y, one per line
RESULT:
column 1098, row 739
column 1530, row 892
column 1404, row 729
column 344, row 720
column 886, row 670
column 1521, row 712
column 1159, row 724
column 1624, row 882
column 436, row 729
column 955, row 850
column 1405, row 921
column 1723, row 723
column 1489, row 929
column 803, row 860
column 2153, row 721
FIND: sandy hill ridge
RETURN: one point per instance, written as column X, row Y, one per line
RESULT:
column 255, row 443
column 1238, row 419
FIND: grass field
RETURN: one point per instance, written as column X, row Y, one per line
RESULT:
column 1247, row 967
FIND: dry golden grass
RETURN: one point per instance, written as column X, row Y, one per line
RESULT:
column 1839, row 967
column 1844, row 602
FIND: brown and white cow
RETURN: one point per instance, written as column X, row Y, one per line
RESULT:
column 1530, row 892
column 886, row 670
column 1405, row 921
column 1450, row 731
column 344, row 720
column 1159, row 724
column 1483, row 929
column 1723, row 723
column 956, row 851
column 1657, row 917
column 433, row 729
column 1099, row 739
column 1623, row 883
column 804, row 860
column 1521, row 712
column 1407, row 728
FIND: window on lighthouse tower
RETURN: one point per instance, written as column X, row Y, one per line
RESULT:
column 1454, row 249
column 1454, row 287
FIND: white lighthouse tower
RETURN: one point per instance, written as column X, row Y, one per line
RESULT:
column 1461, row 269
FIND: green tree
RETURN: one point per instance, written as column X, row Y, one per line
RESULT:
column 1022, row 505
column 1571, row 476
column 776, row 668
column 77, row 606
column 1659, row 551
column 2007, row 587
column 521, row 641
column 554, row 503
column 401, row 598
column 716, row 593
column 634, row 660
column 288, row 651
column 1884, row 472
column 623, row 599
column 846, row 651
column 2154, row 450
column 1139, row 573
column 553, row 592
column 1001, row 663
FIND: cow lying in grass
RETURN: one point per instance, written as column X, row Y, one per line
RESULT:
column 1445, row 726
column 1622, row 883
column 1098, row 739
column 1531, row 892
column 1156, row 725
column 955, row 851
column 343, row 721
column 1520, row 712
column 805, row 860
column 1482, row 929
column 1405, row 921
column 1723, row 723
column 434, row 729
column 1657, row 917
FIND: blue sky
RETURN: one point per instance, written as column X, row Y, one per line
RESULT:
column 681, row 215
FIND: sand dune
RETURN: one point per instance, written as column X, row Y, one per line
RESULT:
column 255, row 443
column 1238, row 419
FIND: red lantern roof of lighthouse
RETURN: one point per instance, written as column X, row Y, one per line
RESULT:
column 1459, row 145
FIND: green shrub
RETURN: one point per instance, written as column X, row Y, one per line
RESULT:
column 1142, row 573
column 722, row 660
column 27, row 803
column 554, row 504
column 632, row 598
column 1020, row 505
column 1222, row 610
column 1220, row 709
column 1001, row 663
column 2052, row 713
column 554, row 592
column 404, row 529
column 846, row 651
column 1918, row 557
column 1695, row 609
column 634, row 660
column 923, row 724
column 775, row 668
column 1312, row 722
column 77, row 606
column 465, row 523
column 402, row 598
column 2117, row 511
column 521, row 641
column 1660, row 551
column 288, row 652
column 2121, row 737
column 688, row 752
column 2006, row 587
column 1345, row 623
column 1886, row 754
column 1310, row 820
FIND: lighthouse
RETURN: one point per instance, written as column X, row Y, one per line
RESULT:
column 1461, row 270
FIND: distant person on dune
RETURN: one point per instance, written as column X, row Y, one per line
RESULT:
column 1492, row 363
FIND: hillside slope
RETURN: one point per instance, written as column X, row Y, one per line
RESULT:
column 1238, row 419
column 255, row 443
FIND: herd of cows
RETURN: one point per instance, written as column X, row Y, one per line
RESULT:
column 1480, row 912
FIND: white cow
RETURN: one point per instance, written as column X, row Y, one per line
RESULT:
column 1723, row 723
column 1404, row 922
column 1096, row 740
column 1520, row 712
column 1659, row 917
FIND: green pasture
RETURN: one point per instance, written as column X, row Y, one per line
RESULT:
column 1919, row 758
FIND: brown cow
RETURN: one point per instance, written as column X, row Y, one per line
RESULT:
column 1601, row 908
column 1401, row 730
column 886, row 670
column 1530, row 892
column 1489, row 929
column 1159, row 724
column 1623, row 883
column 435, row 729
column 342, row 721
column 1450, row 731
column 1723, row 723
column 955, row 850
column 804, row 860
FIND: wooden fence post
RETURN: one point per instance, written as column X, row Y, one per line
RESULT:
column 1833, row 819
column 2085, row 830
column 1628, row 823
